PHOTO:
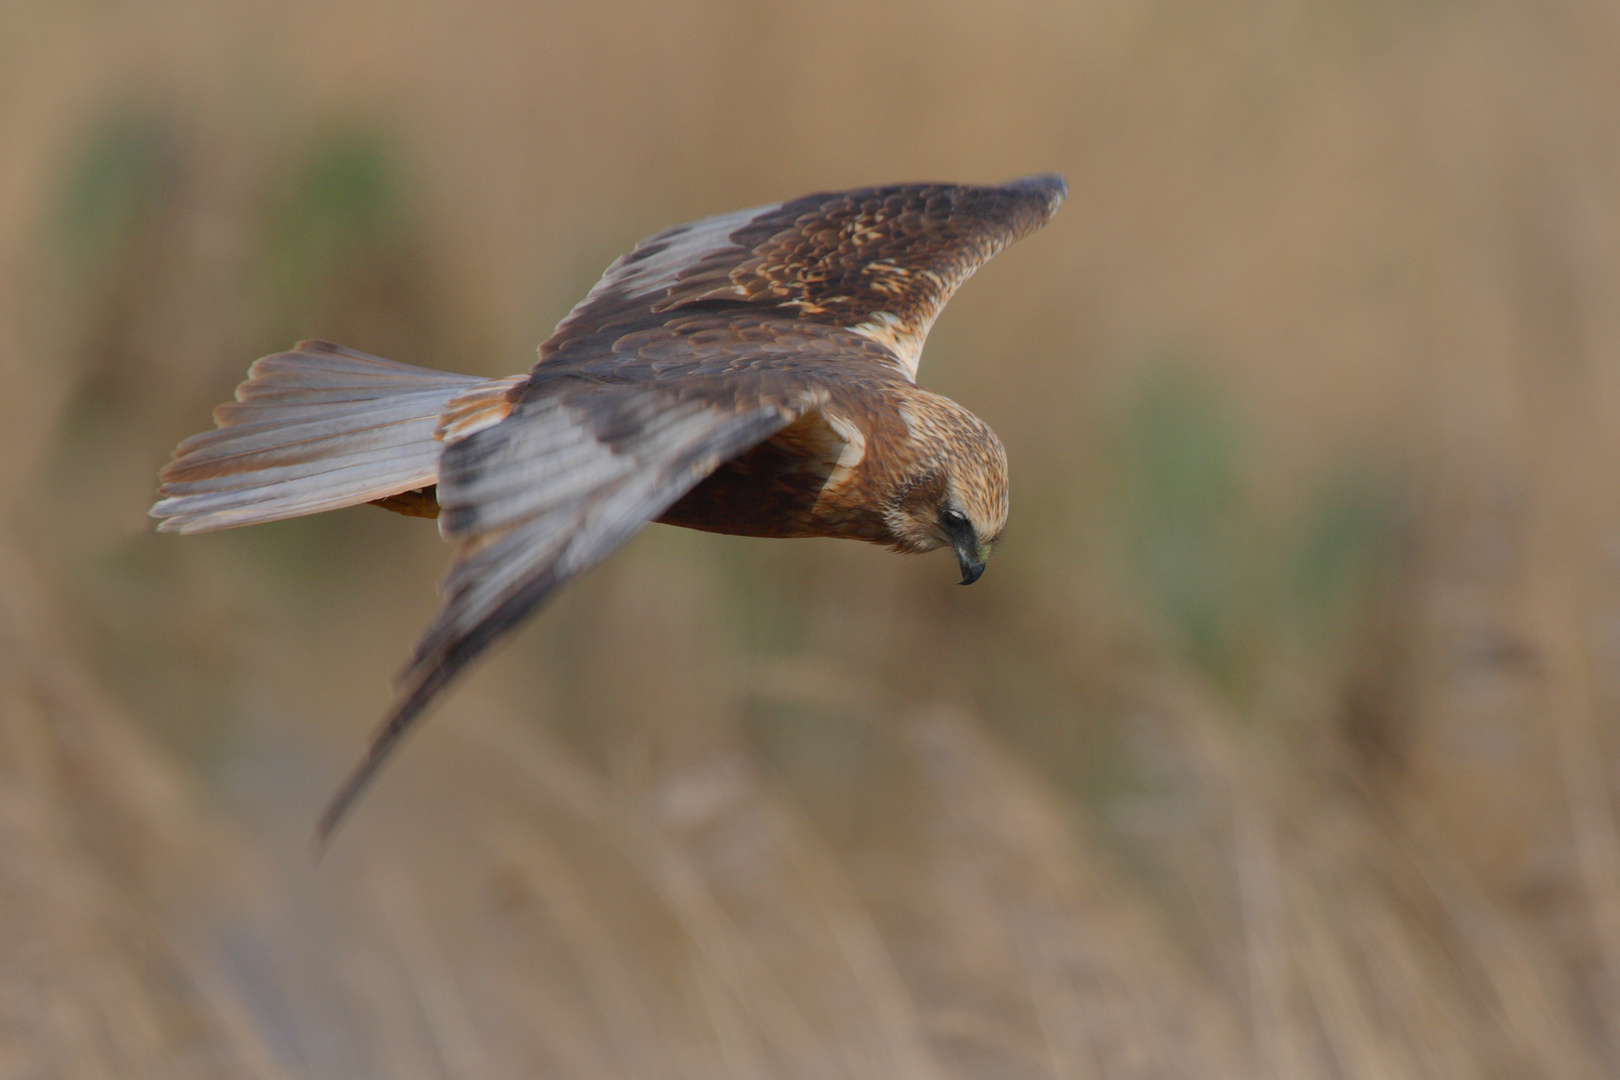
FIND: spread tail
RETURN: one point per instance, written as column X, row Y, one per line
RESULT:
column 318, row 428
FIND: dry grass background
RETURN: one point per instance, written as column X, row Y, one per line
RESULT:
column 1280, row 741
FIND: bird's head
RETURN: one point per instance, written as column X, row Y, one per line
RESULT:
column 954, row 494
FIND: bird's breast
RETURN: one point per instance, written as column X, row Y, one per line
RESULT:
column 805, row 481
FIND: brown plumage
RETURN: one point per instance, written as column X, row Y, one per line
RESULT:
column 751, row 373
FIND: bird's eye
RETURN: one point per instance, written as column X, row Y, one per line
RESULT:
column 954, row 519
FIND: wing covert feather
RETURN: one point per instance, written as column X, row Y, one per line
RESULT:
column 879, row 261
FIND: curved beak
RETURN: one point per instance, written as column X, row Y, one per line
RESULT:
column 972, row 562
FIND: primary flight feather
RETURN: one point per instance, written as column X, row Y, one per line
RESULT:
column 752, row 373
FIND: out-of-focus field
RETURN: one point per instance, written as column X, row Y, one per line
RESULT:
column 1278, row 741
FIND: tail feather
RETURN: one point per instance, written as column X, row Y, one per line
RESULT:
column 317, row 428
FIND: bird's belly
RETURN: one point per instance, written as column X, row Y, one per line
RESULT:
column 769, row 491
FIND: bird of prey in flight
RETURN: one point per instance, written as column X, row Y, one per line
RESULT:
column 751, row 373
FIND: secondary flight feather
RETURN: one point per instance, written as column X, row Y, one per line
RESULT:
column 752, row 373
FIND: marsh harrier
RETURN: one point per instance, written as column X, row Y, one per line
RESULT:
column 752, row 373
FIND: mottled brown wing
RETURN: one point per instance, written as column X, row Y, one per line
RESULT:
column 577, row 469
column 881, row 262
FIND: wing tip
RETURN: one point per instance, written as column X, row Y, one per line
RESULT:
column 1051, row 187
column 399, row 720
column 431, row 669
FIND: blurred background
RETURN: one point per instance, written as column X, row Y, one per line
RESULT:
column 1278, row 741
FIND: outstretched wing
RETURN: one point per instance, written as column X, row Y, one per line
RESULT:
column 881, row 262
column 552, row 490
column 703, row 342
